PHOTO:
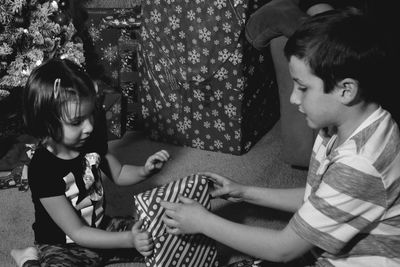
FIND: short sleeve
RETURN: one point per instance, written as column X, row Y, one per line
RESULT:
column 44, row 181
column 97, row 141
column 347, row 201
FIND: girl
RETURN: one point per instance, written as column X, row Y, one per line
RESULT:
column 70, row 228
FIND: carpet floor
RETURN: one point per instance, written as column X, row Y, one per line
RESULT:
column 261, row 166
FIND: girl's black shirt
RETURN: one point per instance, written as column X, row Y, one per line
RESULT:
column 50, row 176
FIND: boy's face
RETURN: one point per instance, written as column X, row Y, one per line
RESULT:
column 77, row 123
column 319, row 108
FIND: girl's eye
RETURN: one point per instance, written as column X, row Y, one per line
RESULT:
column 76, row 122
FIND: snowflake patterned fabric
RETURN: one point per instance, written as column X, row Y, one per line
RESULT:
column 201, row 81
column 176, row 250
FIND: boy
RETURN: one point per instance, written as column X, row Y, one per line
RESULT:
column 350, row 207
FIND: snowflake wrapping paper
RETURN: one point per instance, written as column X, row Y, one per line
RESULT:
column 114, row 104
column 202, row 84
column 114, row 33
column 176, row 250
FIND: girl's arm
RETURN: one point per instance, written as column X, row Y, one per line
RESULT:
column 64, row 215
column 189, row 217
column 127, row 174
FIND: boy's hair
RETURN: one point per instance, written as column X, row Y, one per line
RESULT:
column 46, row 94
column 341, row 44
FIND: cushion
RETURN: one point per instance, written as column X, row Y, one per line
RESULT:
column 276, row 18
column 176, row 250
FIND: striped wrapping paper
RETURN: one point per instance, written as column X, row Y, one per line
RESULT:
column 171, row 250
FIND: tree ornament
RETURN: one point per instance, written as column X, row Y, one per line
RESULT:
column 61, row 19
column 20, row 21
column 32, row 31
column 63, row 4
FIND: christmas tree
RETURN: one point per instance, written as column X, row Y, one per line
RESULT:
column 32, row 31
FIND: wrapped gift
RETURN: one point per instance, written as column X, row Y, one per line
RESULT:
column 114, row 32
column 11, row 122
column 202, row 84
column 114, row 104
column 128, row 47
column 176, row 250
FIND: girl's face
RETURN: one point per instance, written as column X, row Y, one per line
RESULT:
column 77, row 123
column 308, row 94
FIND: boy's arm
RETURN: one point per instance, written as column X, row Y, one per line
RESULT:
column 288, row 199
column 272, row 245
column 189, row 217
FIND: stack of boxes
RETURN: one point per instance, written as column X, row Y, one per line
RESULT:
column 202, row 84
column 114, row 32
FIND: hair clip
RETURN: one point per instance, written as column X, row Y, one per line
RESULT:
column 56, row 87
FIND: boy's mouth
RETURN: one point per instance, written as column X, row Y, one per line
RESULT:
column 82, row 141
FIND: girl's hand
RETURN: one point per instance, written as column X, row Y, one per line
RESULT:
column 156, row 161
column 225, row 187
column 142, row 239
column 184, row 217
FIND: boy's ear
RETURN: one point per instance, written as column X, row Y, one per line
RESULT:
column 347, row 90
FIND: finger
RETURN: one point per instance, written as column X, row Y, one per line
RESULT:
column 158, row 165
column 218, row 192
column 146, row 253
column 168, row 205
column 173, row 231
column 146, row 247
column 185, row 200
column 170, row 223
column 158, row 158
column 170, row 214
column 213, row 177
column 136, row 227
column 164, row 154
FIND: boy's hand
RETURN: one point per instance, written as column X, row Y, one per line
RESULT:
column 156, row 161
column 184, row 217
column 225, row 187
column 142, row 239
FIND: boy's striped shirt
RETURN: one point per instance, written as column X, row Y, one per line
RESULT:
column 352, row 201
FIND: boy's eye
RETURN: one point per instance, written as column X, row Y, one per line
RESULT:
column 302, row 88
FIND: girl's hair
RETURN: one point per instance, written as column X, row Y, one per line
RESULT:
column 341, row 44
column 46, row 95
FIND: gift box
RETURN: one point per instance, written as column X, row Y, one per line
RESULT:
column 111, row 29
column 176, row 250
column 114, row 104
column 202, row 84
column 114, row 32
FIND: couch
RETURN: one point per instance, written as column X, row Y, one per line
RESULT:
column 268, row 28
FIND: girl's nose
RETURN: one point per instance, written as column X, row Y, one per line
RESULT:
column 88, row 125
column 295, row 97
